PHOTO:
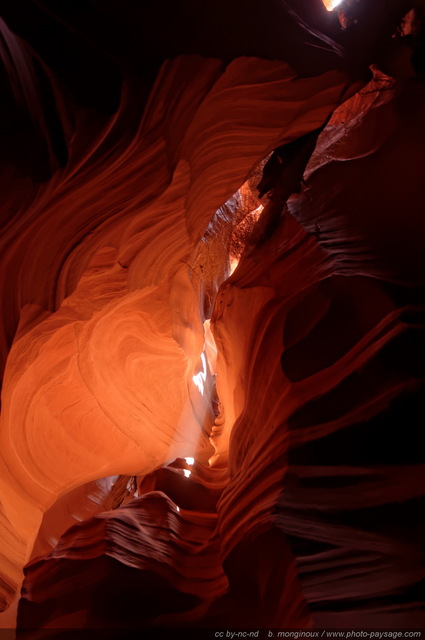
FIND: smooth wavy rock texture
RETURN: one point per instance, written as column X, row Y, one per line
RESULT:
column 182, row 446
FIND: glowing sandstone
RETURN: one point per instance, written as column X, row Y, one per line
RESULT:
column 102, row 385
column 317, row 335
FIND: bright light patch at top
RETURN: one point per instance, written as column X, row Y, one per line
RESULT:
column 190, row 461
column 331, row 4
column 200, row 377
column 233, row 264
column 259, row 210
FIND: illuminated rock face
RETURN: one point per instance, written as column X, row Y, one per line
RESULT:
column 307, row 511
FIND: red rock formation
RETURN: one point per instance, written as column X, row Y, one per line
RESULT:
column 302, row 506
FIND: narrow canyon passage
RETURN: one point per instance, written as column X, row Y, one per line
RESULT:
column 212, row 300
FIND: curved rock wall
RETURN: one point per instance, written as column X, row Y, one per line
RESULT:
column 302, row 505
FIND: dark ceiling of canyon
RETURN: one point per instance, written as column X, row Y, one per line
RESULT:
column 212, row 337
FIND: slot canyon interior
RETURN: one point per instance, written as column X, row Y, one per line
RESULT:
column 212, row 316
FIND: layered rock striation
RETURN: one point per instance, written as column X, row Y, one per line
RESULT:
column 156, row 309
